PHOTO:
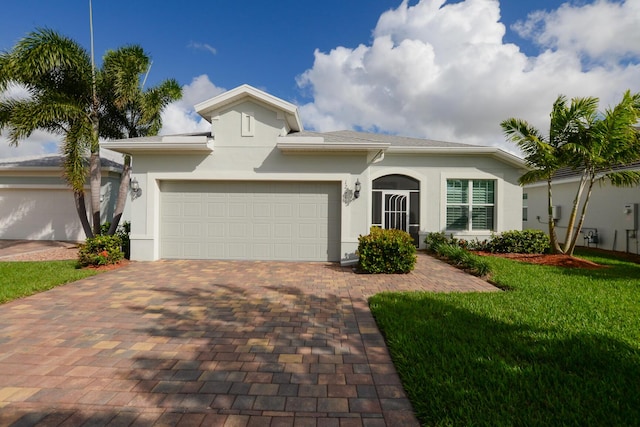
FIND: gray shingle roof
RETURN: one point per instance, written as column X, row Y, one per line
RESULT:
column 108, row 159
column 567, row 173
column 393, row 140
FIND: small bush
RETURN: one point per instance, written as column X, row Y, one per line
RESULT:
column 123, row 230
column 462, row 258
column 386, row 251
column 522, row 242
column 435, row 239
column 100, row 250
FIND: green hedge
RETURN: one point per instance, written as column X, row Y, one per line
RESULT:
column 386, row 251
column 100, row 250
column 521, row 242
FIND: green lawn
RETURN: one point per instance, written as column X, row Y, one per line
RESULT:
column 20, row 279
column 560, row 347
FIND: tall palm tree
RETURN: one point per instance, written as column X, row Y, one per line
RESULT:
column 63, row 99
column 56, row 72
column 605, row 142
column 545, row 155
column 131, row 111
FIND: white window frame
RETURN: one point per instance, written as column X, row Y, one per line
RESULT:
column 469, row 205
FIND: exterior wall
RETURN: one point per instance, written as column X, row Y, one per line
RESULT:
column 433, row 172
column 605, row 214
column 241, row 154
column 40, row 206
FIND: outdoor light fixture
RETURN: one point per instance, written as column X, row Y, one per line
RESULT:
column 356, row 193
column 134, row 186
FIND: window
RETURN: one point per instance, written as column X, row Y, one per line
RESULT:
column 470, row 204
column 525, row 207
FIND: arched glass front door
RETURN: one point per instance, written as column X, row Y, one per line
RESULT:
column 396, row 204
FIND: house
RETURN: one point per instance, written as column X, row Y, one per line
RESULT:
column 258, row 186
column 37, row 204
column 611, row 221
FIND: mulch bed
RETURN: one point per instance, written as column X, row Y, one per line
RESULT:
column 548, row 259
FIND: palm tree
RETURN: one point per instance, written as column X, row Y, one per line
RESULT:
column 131, row 111
column 68, row 98
column 56, row 72
column 605, row 142
column 545, row 155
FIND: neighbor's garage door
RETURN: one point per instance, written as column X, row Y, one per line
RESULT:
column 250, row 220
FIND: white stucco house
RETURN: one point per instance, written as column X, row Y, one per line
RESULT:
column 258, row 186
column 37, row 204
column 612, row 215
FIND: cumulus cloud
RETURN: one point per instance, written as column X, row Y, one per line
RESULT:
column 443, row 71
column 180, row 117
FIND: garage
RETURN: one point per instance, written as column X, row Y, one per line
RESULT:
column 297, row 221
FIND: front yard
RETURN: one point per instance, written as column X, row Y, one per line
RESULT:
column 20, row 279
column 559, row 347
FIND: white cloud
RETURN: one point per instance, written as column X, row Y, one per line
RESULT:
column 203, row 46
column 180, row 117
column 602, row 31
column 38, row 143
column 443, row 71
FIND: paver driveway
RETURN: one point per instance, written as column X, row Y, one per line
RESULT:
column 209, row 343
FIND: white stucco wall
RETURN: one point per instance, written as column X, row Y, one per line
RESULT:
column 36, row 206
column 605, row 213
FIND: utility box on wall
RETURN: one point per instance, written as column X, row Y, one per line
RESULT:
column 556, row 213
column 631, row 216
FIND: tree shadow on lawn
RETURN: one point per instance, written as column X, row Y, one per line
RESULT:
column 461, row 368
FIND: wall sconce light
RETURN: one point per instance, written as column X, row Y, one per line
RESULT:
column 135, row 189
column 356, row 193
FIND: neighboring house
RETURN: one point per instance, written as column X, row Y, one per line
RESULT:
column 260, row 187
column 611, row 221
column 37, row 204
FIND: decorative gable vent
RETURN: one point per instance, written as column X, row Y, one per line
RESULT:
column 248, row 124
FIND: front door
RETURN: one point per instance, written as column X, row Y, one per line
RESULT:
column 395, row 210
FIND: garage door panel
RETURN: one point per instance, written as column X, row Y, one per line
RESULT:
column 250, row 220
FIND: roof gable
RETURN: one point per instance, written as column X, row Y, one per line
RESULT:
column 211, row 107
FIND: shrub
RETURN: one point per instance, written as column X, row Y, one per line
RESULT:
column 100, row 250
column 435, row 239
column 386, row 251
column 462, row 258
column 123, row 231
column 523, row 242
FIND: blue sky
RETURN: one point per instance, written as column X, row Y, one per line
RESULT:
column 434, row 69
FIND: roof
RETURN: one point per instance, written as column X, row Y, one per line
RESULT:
column 392, row 140
column 207, row 109
column 568, row 173
column 108, row 159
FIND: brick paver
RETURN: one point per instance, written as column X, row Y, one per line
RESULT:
column 209, row 343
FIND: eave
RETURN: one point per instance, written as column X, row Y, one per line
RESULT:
column 318, row 144
column 166, row 144
column 463, row 151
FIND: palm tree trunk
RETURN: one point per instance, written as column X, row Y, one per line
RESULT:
column 553, row 237
column 569, row 237
column 95, row 180
column 81, row 208
column 122, row 195
column 583, row 214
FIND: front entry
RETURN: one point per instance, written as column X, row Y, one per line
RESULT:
column 396, row 210
column 396, row 204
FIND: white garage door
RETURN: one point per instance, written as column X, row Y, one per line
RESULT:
column 37, row 214
column 250, row 220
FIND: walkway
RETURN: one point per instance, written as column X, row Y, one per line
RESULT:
column 209, row 343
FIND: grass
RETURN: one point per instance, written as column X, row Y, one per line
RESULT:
column 561, row 347
column 21, row 279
